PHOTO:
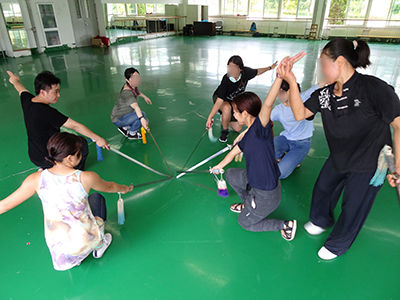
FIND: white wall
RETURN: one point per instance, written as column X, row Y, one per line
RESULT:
column 63, row 19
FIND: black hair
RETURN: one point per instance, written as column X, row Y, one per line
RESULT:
column 248, row 101
column 285, row 86
column 237, row 60
column 44, row 81
column 129, row 72
column 62, row 144
column 357, row 53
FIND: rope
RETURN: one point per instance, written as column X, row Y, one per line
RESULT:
column 172, row 174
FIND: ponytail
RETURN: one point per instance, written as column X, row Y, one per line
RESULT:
column 356, row 53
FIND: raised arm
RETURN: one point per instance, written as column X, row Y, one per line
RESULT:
column 263, row 70
column 266, row 109
column 24, row 192
column 90, row 180
column 82, row 129
column 14, row 80
column 284, row 70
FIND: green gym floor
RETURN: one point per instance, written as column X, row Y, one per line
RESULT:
column 180, row 240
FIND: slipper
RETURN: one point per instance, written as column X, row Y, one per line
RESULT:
column 288, row 232
column 237, row 208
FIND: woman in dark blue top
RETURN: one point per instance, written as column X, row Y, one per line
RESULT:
column 258, row 185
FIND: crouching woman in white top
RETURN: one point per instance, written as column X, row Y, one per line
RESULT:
column 294, row 142
column 74, row 221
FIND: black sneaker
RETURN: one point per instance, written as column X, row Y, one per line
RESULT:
column 123, row 131
column 134, row 136
column 224, row 136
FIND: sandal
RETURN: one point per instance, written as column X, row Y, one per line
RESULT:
column 237, row 208
column 288, row 232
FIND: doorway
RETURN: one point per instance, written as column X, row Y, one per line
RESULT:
column 84, row 21
column 11, row 12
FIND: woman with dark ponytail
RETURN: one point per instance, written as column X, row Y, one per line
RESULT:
column 74, row 220
column 357, row 112
column 232, row 84
column 126, row 113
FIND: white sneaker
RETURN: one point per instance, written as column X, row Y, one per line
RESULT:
column 97, row 253
column 313, row 229
column 325, row 254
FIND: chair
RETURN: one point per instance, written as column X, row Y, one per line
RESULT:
column 219, row 27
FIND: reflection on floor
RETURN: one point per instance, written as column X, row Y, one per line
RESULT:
column 180, row 240
column 118, row 33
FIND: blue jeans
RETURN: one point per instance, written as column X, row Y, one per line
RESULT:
column 130, row 120
column 295, row 151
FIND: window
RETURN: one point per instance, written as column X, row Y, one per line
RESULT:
column 86, row 5
column 337, row 12
column 357, row 9
column 131, row 9
column 47, row 16
column 289, row 8
column 160, row 8
column 150, row 8
column 256, row 8
column 116, row 9
column 380, row 9
column 379, row 13
column 227, row 7
column 49, row 24
column 78, row 9
column 241, row 7
column 347, row 9
column 306, row 8
column 11, row 10
column 141, row 9
column 213, row 7
column 395, row 13
column 271, row 8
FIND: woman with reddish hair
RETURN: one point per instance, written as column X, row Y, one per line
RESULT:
column 258, row 185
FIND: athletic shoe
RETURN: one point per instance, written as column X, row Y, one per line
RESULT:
column 97, row 253
column 134, row 135
column 313, row 229
column 123, row 131
column 325, row 254
column 224, row 136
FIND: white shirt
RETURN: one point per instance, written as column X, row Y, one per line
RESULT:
column 294, row 130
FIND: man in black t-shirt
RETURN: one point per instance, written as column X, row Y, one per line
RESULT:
column 42, row 120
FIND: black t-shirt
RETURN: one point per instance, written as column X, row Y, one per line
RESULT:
column 41, row 122
column 227, row 90
column 257, row 146
column 356, row 124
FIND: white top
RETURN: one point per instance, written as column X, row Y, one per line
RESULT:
column 71, row 230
